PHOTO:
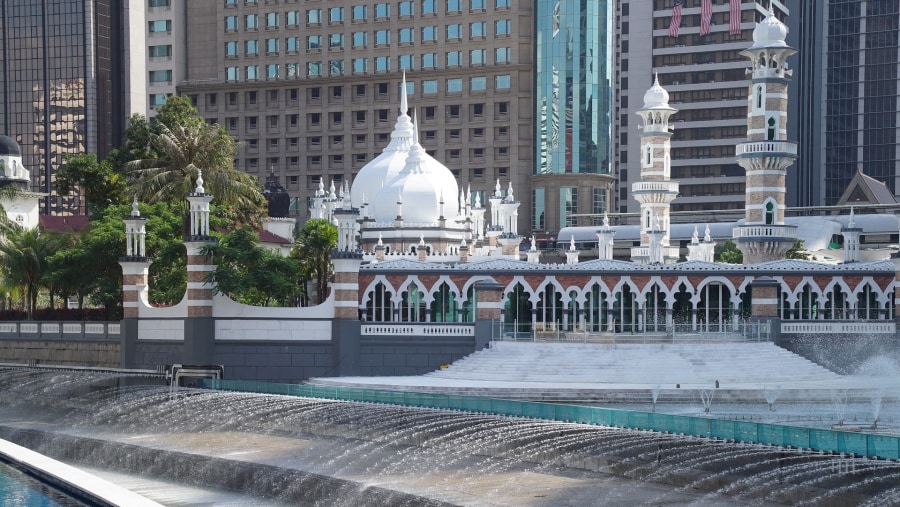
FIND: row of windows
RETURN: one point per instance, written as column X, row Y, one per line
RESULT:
column 380, row 10
column 314, row 43
column 454, row 31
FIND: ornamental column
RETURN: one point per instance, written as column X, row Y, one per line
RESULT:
column 199, row 327
column 135, row 275
column 655, row 191
column 766, row 155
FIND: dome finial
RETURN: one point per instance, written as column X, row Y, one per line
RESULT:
column 415, row 129
column 199, row 189
column 134, row 207
column 404, row 106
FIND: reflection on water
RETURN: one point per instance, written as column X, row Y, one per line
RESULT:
column 18, row 489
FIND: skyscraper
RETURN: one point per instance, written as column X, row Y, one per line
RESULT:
column 706, row 78
column 847, row 102
column 63, row 81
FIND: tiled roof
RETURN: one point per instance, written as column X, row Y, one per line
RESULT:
column 64, row 224
column 268, row 237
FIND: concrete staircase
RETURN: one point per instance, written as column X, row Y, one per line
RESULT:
column 636, row 364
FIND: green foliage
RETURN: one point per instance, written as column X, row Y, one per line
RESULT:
column 312, row 249
column 102, row 184
column 796, row 251
column 251, row 274
column 179, row 146
column 24, row 261
column 729, row 253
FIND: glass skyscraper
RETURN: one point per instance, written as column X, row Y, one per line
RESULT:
column 60, row 84
column 573, row 98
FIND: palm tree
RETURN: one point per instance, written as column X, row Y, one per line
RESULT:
column 181, row 152
column 24, row 255
column 313, row 249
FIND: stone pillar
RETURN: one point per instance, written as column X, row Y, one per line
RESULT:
column 488, row 311
column 346, row 284
column 764, row 306
column 509, row 244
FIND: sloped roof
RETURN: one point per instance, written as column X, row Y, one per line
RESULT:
column 268, row 237
column 864, row 189
column 64, row 224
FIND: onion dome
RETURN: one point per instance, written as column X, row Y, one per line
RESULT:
column 422, row 183
column 9, row 147
column 390, row 162
column 656, row 97
column 770, row 32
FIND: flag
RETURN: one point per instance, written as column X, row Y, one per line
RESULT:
column 734, row 27
column 705, row 16
column 675, row 22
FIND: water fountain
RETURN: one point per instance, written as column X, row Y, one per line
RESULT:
column 346, row 453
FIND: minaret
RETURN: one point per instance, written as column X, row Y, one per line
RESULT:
column 655, row 191
column 135, row 264
column 767, row 154
column 605, row 240
column 851, row 235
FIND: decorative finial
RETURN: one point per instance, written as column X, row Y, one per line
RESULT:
column 572, row 244
column 852, row 223
column 421, row 239
column 415, row 129
column 404, row 107
column 199, row 189
column 380, row 242
column 707, row 237
column 695, row 238
column 134, row 208
column 606, row 220
column 509, row 193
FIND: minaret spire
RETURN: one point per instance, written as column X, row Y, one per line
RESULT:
column 404, row 106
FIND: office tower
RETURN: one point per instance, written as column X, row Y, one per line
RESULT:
column 63, row 81
column 166, row 52
column 572, row 117
column 706, row 78
column 847, row 102
column 310, row 88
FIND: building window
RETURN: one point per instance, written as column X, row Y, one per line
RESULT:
column 407, row 8
column 272, row 46
column 231, row 24
column 477, row 5
column 382, row 63
column 314, row 42
column 478, row 83
column 382, row 10
column 406, row 62
column 292, row 44
column 568, row 206
column 272, row 20
column 502, row 82
column 537, row 209
column 429, row 6
column 429, row 60
column 502, row 4
column 359, row 65
column 160, row 76
column 360, row 39
column 314, row 17
column 382, row 37
column 429, row 34
column 454, row 6
column 336, row 41
column 336, row 15
column 272, row 71
column 501, row 55
column 454, row 58
column 314, row 69
column 407, row 35
column 160, row 26
column 429, row 87
column 252, row 72
column 477, row 57
column 166, row 51
column 251, row 21
column 292, row 18
column 158, row 3
column 478, row 29
column 157, row 99
column 251, row 47
column 454, row 32
column 359, row 12
column 599, row 205
column 454, row 85
column 336, row 67
column 502, row 27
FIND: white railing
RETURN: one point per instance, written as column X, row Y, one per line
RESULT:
column 764, row 231
column 388, row 329
column 817, row 328
column 643, row 252
column 655, row 186
column 751, row 148
column 60, row 329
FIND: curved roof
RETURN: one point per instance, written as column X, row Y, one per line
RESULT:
column 770, row 32
column 8, row 146
column 656, row 96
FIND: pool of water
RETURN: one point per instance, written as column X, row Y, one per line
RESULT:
column 18, row 489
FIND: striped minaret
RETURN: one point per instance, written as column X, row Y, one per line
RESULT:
column 767, row 153
column 199, row 292
column 135, row 264
column 655, row 191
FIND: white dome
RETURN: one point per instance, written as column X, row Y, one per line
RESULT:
column 656, row 97
column 770, row 32
column 390, row 162
column 421, row 186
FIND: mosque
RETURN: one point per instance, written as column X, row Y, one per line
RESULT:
column 23, row 205
column 425, row 273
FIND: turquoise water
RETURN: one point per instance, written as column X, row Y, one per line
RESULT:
column 20, row 490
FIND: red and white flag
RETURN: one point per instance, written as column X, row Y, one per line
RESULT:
column 705, row 16
column 675, row 22
column 734, row 25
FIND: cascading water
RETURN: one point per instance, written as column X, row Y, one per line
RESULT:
column 342, row 453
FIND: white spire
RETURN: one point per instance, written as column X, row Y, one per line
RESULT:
column 695, row 238
column 134, row 208
column 403, row 100
column 509, row 193
column 707, row 236
column 852, row 223
column 331, row 193
column 497, row 189
column 415, row 129
column 199, row 189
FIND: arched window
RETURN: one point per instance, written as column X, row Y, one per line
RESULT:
column 759, row 97
column 770, row 213
column 378, row 307
column 771, row 130
column 649, row 160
